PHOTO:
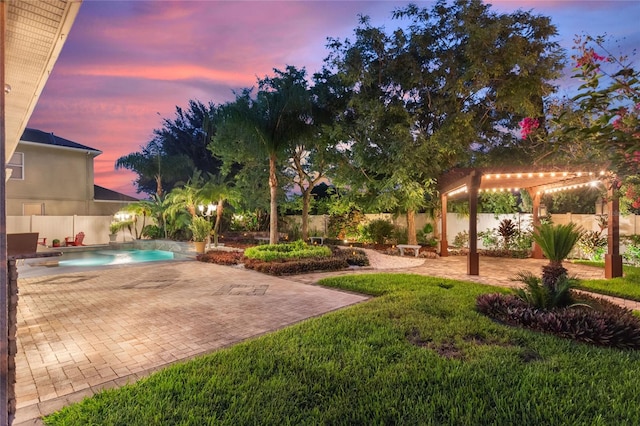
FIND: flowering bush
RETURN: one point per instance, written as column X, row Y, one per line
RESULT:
column 527, row 126
column 610, row 97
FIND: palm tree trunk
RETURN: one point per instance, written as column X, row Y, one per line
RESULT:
column 551, row 273
column 273, row 190
column 216, row 227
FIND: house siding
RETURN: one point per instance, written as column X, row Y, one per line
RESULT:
column 61, row 178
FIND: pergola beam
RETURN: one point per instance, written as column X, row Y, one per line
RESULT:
column 537, row 180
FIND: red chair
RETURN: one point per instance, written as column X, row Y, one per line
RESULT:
column 76, row 242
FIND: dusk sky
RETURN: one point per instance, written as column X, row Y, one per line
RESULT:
column 127, row 64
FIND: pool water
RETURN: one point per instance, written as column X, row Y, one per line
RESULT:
column 112, row 257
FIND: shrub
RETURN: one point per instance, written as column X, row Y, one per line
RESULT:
column 400, row 235
column 153, row 232
column 378, row 231
column 296, row 266
column 556, row 242
column 221, row 257
column 295, row 250
column 507, row 230
column 543, row 297
column 632, row 252
column 461, row 239
column 490, row 239
column 200, row 228
column 354, row 257
column 609, row 325
column 424, row 235
column 592, row 245
column 345, row 223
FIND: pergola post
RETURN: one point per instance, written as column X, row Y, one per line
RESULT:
column 473, row 259
column 444, row 245
column 536, row 252
column 613, row 259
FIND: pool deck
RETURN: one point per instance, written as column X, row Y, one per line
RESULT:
column 84, row 330
column 81, row 332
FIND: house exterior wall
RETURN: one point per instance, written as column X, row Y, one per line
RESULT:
column 61, row 179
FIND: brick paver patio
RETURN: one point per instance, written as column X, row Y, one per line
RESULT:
column 80, row 332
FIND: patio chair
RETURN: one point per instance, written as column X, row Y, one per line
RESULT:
column 75, row 242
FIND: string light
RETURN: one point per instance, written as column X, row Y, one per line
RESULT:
column 458, row 190
column 592, row 183
column 521, row 175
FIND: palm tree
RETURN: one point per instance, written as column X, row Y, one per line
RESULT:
column 142, row 208
column 153, row 165
column 270, row 123
column 219, row 190
column 556, row 242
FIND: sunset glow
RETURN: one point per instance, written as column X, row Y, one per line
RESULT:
column 128, row 64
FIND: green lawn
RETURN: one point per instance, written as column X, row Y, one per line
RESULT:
column 418, row 353
column 627, row 286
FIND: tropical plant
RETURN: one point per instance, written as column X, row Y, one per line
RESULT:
column 461, row 239
column 154, row 167
column 632, row 252
column 507, row 230
column 117, row 226
column 592, row 245
column 542, row 297
column 378, row 230
column 268, row 124
column 200, row 228
column 425, row 235
column 114, row 227
column 219, row 190
column 556, row 242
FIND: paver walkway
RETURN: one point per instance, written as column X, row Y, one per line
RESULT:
column 82, row 332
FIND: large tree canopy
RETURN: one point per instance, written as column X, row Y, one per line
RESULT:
column 177, row 150
column 451, row 84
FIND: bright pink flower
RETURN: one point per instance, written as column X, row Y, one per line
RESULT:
column 617, row 123
column 528, row 125
column 589, row 57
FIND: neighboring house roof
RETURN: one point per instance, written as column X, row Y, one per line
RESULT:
column 38, row 136
column 103, row 194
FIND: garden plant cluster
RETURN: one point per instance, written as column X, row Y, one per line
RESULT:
column 290, row 258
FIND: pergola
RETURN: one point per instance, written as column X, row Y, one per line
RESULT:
column 470, row 182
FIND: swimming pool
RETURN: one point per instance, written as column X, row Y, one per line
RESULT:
column 112, row 257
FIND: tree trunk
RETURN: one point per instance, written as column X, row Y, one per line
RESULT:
column 273, row 190
column 216, row 227
column 551, row 273
column 411, row 227
column 306, row 197
column 159, row 190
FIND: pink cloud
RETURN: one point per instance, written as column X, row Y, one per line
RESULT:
column 128, row 64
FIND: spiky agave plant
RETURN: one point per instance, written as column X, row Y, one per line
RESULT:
column 556, row 242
